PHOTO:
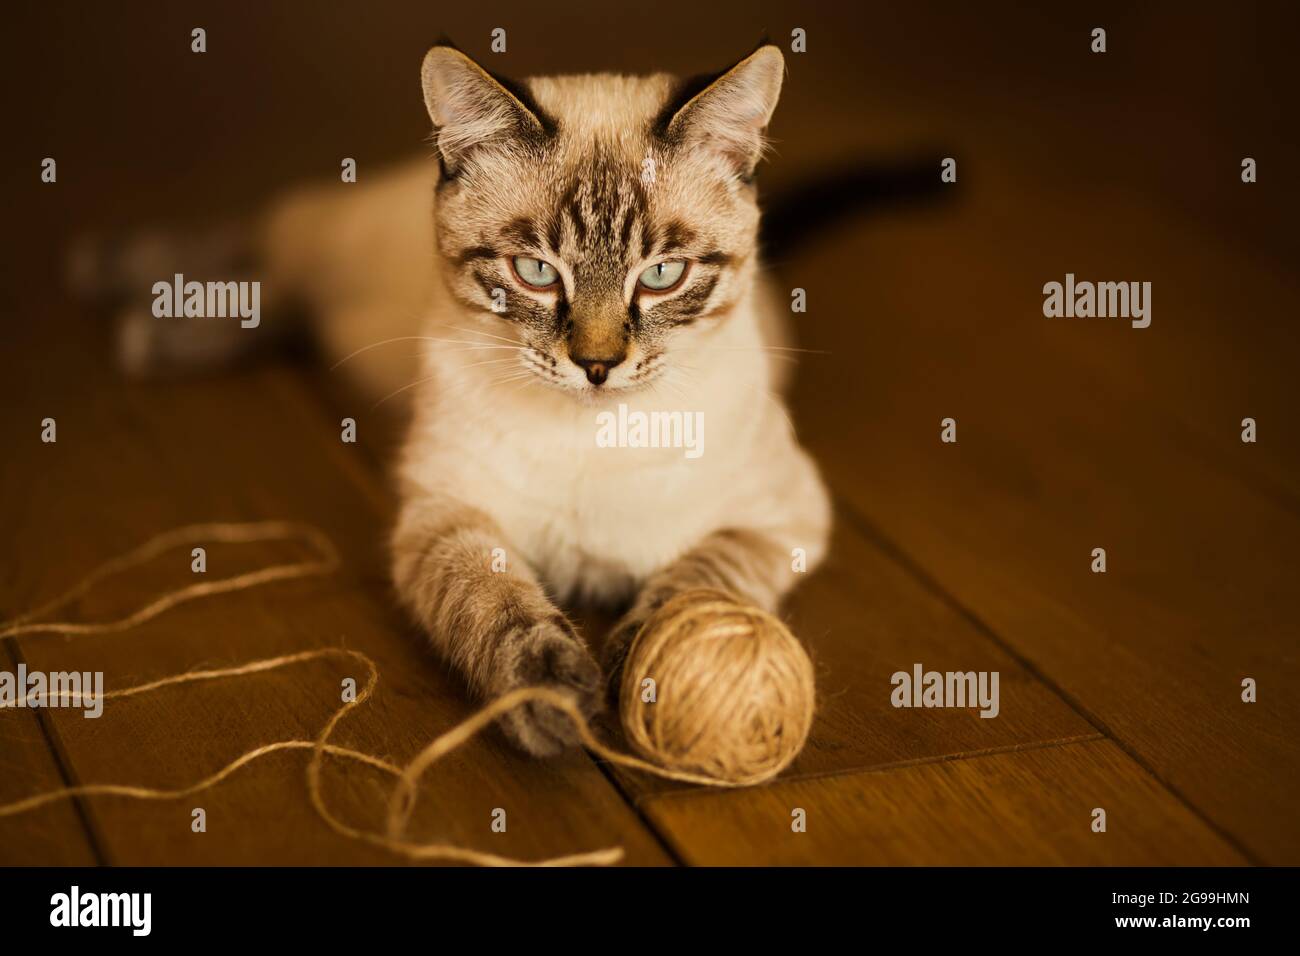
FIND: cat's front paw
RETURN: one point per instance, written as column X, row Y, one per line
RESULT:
column 550, row 654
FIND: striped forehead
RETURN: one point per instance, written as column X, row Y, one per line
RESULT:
column 600, row 209
column 604, row 220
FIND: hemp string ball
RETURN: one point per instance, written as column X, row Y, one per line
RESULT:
column 733, row 690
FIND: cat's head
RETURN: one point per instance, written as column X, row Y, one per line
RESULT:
column 603, row 220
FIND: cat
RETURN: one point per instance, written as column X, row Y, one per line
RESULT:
column 574, row 244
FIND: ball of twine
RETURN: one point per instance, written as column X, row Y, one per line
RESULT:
column 734, row 690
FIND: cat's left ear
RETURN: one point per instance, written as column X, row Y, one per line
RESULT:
column 729, row 113
column 471, row 109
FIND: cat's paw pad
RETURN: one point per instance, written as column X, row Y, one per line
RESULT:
column 548, row 654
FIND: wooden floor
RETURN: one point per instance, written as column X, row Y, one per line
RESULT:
column 1119, row 691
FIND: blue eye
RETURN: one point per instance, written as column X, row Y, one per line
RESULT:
column 663, row 275
column 535, row 272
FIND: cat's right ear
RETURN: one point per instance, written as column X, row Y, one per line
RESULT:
column 727, row 114
column 472, row 109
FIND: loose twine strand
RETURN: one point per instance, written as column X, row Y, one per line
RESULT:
column 405, row 792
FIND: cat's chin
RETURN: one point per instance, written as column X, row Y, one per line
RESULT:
column 605, row 395
column 595, row 395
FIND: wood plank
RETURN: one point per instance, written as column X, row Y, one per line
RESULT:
column 1067, row 443
column 134, row 459
column 1028, row 808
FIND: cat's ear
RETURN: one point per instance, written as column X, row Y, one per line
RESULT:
column 471, row 109
column 729, row 113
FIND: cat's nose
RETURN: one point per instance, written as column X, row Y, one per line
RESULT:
column 597, row 369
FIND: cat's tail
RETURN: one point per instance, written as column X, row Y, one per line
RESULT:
column 325, row 265
column 849, row 191
column 136, row 277
column 182, row 299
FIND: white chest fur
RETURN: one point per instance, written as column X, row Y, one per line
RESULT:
column 590, row 518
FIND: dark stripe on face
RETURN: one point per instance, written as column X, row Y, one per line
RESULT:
column 693, row 301
column 715, row 258
column 640, row 213
column 648, row 240
column 568, row 206
column 575, row 213
column 486, row 283
column 523, row 232
column 475, row 253
column 625, row 234
column 519, row 307
column 554, row 232
column 677, row 233
column 640, row 202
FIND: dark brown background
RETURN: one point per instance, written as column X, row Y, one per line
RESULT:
column 1119, row 691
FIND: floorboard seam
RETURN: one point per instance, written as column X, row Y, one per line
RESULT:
column 664, row 839
column 865, row 526
column 79, row 805
column 954, row 757
column 902, row 764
